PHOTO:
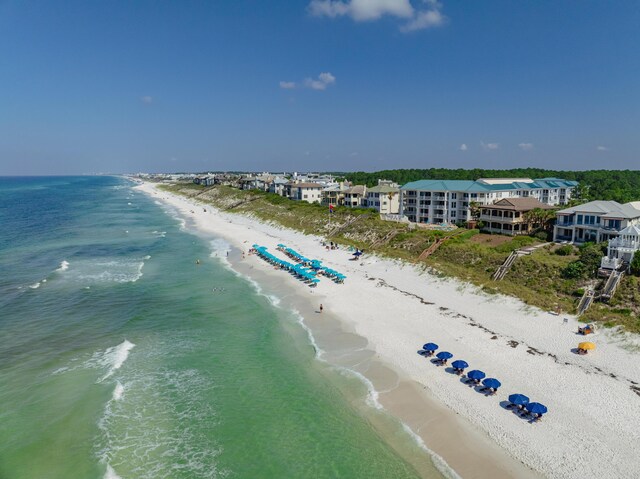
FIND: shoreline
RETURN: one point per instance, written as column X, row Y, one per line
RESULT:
column 387, row 309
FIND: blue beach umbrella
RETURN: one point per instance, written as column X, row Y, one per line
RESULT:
column 536, row 408
column 444, row 355
column 492, row 383
column 460, row 364
column 519, row 399
column 475, row 374
column 430, row 347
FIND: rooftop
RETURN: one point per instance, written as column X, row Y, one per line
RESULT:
column 608, row 209
column 481, row 186
column 518, row 204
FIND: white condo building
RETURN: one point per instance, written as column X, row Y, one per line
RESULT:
column 447, row 201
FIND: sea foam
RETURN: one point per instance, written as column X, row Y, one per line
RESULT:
column 63, row 266
column 115, row 357
column 118, row 391
column 110, row 473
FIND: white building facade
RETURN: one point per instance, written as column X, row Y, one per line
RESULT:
column 621, row 249
column 595, row 221
column 385, row 198
column 448, row 201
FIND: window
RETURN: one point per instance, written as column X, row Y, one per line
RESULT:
column 579, row 220
column 454, row 196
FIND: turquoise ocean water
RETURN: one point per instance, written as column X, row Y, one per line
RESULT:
column 120, row 357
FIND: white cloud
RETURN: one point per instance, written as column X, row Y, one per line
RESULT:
column 424, row 19
column 370, row 10
column 602, row 148
column 146, row 100
column 287, row 85
column 490, row 146
column 361, row 10
column 321, row 83
column 525, row 146
column 463, row 147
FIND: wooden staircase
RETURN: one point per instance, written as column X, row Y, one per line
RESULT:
column 430, row 250
column 384, row 240
column 586, row 300
column 611, row 285
column 504, row 267
column 339, row 229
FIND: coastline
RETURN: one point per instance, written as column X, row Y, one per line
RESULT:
column 377, row 320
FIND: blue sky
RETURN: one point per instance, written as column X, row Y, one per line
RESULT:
column 121, row 86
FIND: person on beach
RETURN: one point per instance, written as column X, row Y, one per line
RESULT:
column 321, row 308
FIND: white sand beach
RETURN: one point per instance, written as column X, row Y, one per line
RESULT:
column 592, row 428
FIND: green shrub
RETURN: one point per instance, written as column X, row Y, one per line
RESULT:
column 541, row 235
column 574, row 270
column 565, row 250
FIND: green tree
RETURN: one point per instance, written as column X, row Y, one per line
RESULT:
column 590, row 256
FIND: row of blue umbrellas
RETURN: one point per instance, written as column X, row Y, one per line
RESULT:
column 308, row 276
column 477, row 375
column 315, row 264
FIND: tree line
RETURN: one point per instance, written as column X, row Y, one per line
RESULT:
column 618, row 185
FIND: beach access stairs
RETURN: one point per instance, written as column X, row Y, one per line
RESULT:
column 385, row 239
column 434, row 246
column 586, row 300
column 430, row 250
column 504, row 267
column 341, row 228
column 611, row 285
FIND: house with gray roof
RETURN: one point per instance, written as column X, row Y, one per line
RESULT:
column 354, row 197
column 448, row 201
column 595, row 221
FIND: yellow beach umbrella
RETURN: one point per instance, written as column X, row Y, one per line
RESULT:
column 587, row 345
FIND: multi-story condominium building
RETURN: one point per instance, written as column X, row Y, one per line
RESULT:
column 385, row 198
column 595, row 221
column 447, row 201
column 508, row 216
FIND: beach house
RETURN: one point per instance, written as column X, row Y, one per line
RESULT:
column 595, row 221
column 277, row 185
column 302, row 191
column 354, row 197
column 449, row 201
column 334, row 194
column 385, row 197
column 509, row 216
